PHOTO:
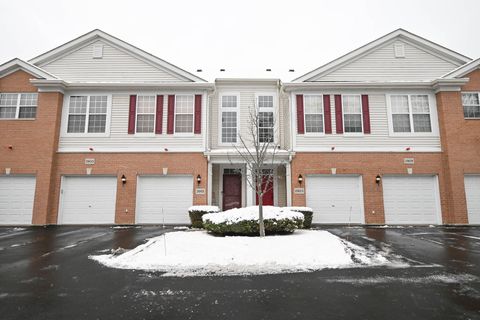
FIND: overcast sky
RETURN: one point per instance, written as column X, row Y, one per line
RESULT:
column 245, row 36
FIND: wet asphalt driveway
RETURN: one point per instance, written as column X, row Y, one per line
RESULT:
column 45, row 273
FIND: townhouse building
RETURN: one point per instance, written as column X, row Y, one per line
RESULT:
column 97, row 131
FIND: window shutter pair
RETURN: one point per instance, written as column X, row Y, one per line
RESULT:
column 133, row 112
column 338, row 114
column 326, row 114
column 170, row 114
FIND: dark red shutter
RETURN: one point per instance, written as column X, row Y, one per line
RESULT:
column 159, row 120
column 300, row 118
column 338, row 113
column 365, row 114
column 171, row 114
column 327, row 113
column 198, row 114
column 131, row 114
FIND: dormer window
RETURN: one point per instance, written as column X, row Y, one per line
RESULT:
column 18, row 105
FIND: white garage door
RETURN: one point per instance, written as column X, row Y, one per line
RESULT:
column 88, row 200
column 472, row 191
column 164, row 199
column 335, row 199
column 16, row 200
column 411, row 200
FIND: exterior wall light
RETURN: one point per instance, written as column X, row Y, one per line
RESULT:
column 300, row 179
column 378, row 179
column 124, row 179
column 199, row 179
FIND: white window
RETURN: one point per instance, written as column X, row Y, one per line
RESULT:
column 146, row 110
column 265, row 118
column 410, row 113
column 352, row 114
column 184, row 113
column 471, row 105
column 313, row 113
column 229, row 113
column 87, row 114
column 18, row 105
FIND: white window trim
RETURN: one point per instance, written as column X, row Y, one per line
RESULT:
column 313, row 134
column 220, row 111
column 146, row 134
column 433, row 115
column 65, row 114
column 361, row 115
column 17, row 110
column 470, row 118
column 183, row 134
column 274, row 109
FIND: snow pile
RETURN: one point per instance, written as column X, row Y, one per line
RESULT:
column 204, row 208
column 303, row 209
column 251, row 213
column 196, row 253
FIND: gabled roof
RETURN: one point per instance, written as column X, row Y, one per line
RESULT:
column 400, row 34
column 463, row 70
column 18, row 64
column 99, row 34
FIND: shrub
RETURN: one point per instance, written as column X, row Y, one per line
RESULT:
column 196, row 213
column 244, row 221
column 307, row 215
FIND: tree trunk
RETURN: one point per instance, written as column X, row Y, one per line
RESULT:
column 260, row 215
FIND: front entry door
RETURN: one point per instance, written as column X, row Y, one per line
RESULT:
column 232, row 191
column 267, row 196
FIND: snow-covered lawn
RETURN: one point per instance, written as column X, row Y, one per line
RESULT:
column 197, row 253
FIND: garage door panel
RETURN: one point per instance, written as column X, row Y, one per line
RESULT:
column 335, row 199
column 472, row 193
column 17, row 194
column 88, row 200
column 164, row 199
column 410, row 200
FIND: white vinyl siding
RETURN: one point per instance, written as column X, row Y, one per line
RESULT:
column 18, row 105
column 411, row 200
column 381, row 137
column 472, row 193
column 87, row 200
column 382, row 65
column 313, row 105
column 17, row 194
column 116, row 65
column 471, row 105
column 118, row 139
column 164, row 199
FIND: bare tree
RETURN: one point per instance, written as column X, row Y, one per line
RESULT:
column 258, row 149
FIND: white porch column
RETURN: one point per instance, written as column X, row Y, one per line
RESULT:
column 209, row 184
column 249, row 190
column 288, row 176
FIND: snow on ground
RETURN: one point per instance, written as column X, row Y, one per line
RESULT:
column 204, row 208
column 197, row 253
column 251, row 213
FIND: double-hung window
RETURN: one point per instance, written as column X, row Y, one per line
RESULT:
column 87, row 114
column 146, row 110
column 265, row 118
column 313, row 113
column 184, row 113
column 352, row 114
column 229, row 112
column 410, row 113
column 18, row 105
column 471, row 105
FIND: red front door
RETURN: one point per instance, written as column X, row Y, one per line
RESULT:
column 267, row 196
column 232, row 191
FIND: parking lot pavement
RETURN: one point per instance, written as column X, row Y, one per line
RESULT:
column 45, row 273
